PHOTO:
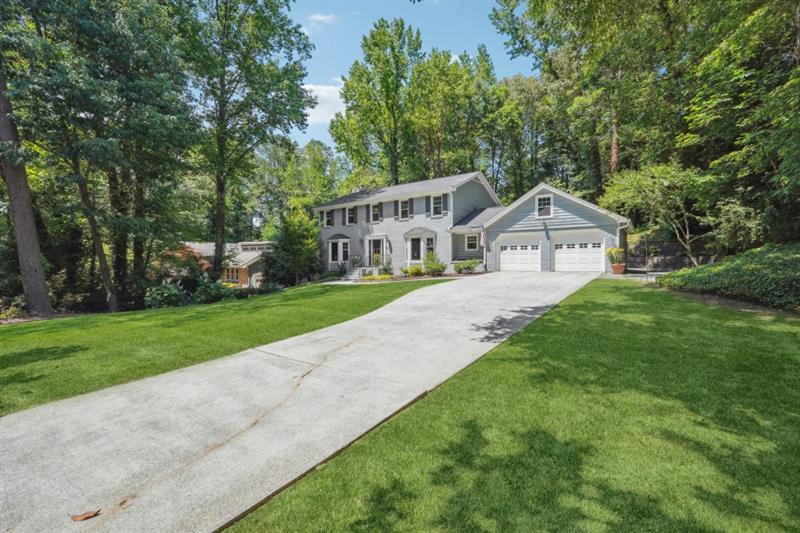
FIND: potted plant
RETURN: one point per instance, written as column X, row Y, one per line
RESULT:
column 617, row 258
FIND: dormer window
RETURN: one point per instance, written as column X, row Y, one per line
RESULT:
column 544, row 206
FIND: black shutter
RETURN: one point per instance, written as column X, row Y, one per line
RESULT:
column 410, row 206
column 355, row 214
column 367, row 213
column 380, row 210
column 344, row 216
column 427, row 205
column 322, row 218
column 396, row 209
column 444, row 202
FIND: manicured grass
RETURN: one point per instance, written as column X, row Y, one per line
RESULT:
column 49, row 360
column 625, row 408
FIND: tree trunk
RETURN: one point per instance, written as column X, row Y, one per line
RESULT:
column 614, row 161
column 219, row 227
column 139, row 263
column 597, row 162
column 19, row 193
column 118, row 200
column 97, row 240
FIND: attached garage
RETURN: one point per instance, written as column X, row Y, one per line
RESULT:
column 520, row 255
column 550, row 230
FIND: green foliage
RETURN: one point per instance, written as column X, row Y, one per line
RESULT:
column 616, row 255
column 165, row 295
column 433, row 266
column 467, row 266
column 769, row 275
column 412, row 271
column 295, row 253
column 734, row 227
column 377, row 277
column 209, row 291
column 386, row 267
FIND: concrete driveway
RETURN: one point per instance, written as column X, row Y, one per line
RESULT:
column 192, row 449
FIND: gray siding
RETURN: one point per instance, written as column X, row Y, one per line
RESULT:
column 460, row 248
column 470, row 196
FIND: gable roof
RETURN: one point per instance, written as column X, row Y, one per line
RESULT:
column 555, row 190
column 409, row 190
column 476, row 218
column 237, row 257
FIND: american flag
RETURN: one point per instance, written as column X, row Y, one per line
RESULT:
column 483, row 239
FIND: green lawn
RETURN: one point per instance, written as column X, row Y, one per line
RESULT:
column 48, row 360
column 625, row 408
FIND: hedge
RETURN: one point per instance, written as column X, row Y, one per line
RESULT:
column 769, row 275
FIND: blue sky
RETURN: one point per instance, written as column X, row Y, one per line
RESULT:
column 336, row 27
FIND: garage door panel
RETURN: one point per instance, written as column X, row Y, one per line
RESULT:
column 579, row 253
column 520, row 256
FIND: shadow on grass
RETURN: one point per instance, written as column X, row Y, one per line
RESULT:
column 37, row 355
column 511, row 321
column 385, row 508
column 739, row 376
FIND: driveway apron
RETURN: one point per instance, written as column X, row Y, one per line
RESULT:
column 192, row 449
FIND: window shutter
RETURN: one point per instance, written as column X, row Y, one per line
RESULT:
column 355, row 214
column 427, row 205
column 380, row 210
column 344, row 216
column 322, row 217
column 396, row 209
column 444, row 202
column 410, row 206
column 368, row 212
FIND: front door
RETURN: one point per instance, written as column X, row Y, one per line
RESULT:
column 375, row 249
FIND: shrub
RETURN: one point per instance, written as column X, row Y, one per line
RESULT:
column 433, row 267
column 769, row 275
column 466, row 267
column 355, row 261
column 213, row 291
column 616, row 255
column 386, row 268
column 330, row 274
column 165, row 295
column 379, row 277
column 341, row 269
column 412, row 271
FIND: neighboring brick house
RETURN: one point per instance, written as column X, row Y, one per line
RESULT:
column 244, row 265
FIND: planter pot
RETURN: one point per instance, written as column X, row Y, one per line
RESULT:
column 618, row 268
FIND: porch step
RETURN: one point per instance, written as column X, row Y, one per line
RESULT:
column 353, row 274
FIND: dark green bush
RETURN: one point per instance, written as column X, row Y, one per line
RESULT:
column 769, row 275
column 165, row 295
column 467, row 266
column 213, row 291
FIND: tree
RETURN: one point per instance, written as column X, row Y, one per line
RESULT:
column 664, row 194
column 247, row 65
column 15, row 177
column 295, row 253
column 373, row 131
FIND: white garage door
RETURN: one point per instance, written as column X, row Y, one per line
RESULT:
column 578, row 254
column 523, row 256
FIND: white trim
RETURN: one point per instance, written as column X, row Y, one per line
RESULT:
column 477, row 242
column 423, row 248
column 347, row 216
column 400, row 209
column 555, row 190
column 338, row 251
column 536, row 205
column 434, row 214
column 333, row 218
column 371, row 212
column 368, row 248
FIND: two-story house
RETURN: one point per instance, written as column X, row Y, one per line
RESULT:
column 546, row 229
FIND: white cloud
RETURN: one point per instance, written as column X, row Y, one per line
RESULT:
column 328, row 103
column 316, row 21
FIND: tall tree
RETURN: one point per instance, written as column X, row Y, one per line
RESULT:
column 15, row 177
column 247, row 65
column 373, row 131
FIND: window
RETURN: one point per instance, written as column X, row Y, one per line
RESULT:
column 416, row 249
column 534, row 246
column 503, row 248
column 429, row 245
column 345, row 251
column 523, row 247
column 334, row 252
column 231, row 275
column 403, row 208
column 583, row 245
column 376, row 213
column 472, row 242
column 329, row 218
column 571, row 246
column 513, row 247
column 559, row 246
column 351, row 215
column 595, row 245
column 544, row 206
column 437, row 205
